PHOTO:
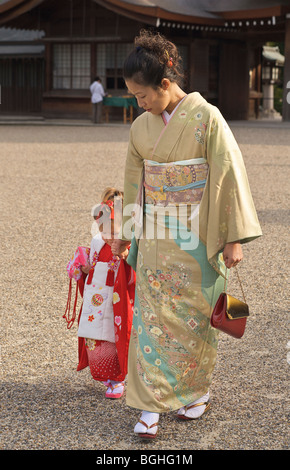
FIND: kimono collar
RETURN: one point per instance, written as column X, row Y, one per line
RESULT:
column 167, row 140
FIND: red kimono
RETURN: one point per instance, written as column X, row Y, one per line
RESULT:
column 116, row 367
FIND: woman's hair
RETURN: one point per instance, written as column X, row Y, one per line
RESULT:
column 153, row 59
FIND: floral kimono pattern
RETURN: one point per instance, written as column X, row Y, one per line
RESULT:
column 196, row 195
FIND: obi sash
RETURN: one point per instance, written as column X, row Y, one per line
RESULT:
column 175, row 183
column 168, row 184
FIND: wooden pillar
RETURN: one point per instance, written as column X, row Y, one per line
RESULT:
column 286, row 92
column 48, row 66
column 93, row 60
column 191, row 68
column 234, row 81
column 200, row 65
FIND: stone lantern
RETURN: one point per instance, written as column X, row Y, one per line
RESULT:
column 273, row 62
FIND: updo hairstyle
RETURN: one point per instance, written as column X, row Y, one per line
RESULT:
column 153, row 59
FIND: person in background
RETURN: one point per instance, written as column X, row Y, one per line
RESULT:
column 98, row 93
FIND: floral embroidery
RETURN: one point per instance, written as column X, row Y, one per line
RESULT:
column 155, row 331
column 200, row 133
column 91, row 318
column 116, row 298
column 220, row 242
column 114, row 263
column 198, row 116
column 90, row 343
column 228, row 209
column 118, row 320
column 213, row 127
column 156, row 284
column 171, row 283
column 223, row 227
column 95, row 259
column 232, row 192
column 136, row 311
column 147, row 349
column 149, row 244
column 182, row 114
column 76, row 273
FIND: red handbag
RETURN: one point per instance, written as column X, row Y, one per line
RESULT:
column 230, row 314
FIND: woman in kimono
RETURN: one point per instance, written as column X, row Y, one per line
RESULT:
column 185, row 171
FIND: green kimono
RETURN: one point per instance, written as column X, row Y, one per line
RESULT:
column 192, row 191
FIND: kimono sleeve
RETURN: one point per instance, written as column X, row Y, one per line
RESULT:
column 231, row 214
column 132, row 181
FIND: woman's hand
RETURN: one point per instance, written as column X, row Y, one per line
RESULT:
column 232, row 254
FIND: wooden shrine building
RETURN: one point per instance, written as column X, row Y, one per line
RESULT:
column 221, row 44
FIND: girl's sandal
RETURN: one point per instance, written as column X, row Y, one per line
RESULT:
column 188, row 407
column 110, row 391
column 147, row 435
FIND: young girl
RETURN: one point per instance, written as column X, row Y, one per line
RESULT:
column 108, row 298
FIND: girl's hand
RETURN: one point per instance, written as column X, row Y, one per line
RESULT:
column 232, row 254
column 86, row 269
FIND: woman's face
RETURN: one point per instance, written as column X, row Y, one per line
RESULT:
column 153, row 101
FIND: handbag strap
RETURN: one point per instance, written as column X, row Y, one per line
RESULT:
column 226, row 278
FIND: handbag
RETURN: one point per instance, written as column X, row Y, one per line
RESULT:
column 230, row 314
column 79, row 258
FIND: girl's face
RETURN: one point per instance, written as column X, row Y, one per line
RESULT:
column 110, row 235
column 153, row 101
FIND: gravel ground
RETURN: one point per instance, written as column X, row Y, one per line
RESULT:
column 51, row 176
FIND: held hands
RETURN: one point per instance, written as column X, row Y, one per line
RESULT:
column 232, row 254
column 120, row 248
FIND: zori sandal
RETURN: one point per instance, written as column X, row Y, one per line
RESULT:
column 194, row 405
column 149, row 432
column 115, row 390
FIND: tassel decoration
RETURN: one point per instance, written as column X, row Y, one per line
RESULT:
column 90, row 275
column 110, row 278
column 70, row 321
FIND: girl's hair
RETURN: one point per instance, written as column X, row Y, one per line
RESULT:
column 102, row 212
column 110, row 193
column 153, row 59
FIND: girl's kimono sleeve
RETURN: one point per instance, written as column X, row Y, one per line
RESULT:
column 229, row 211
column 133, row 184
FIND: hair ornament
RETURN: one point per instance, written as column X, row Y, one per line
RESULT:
column 104, row 208
column 170, row 60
